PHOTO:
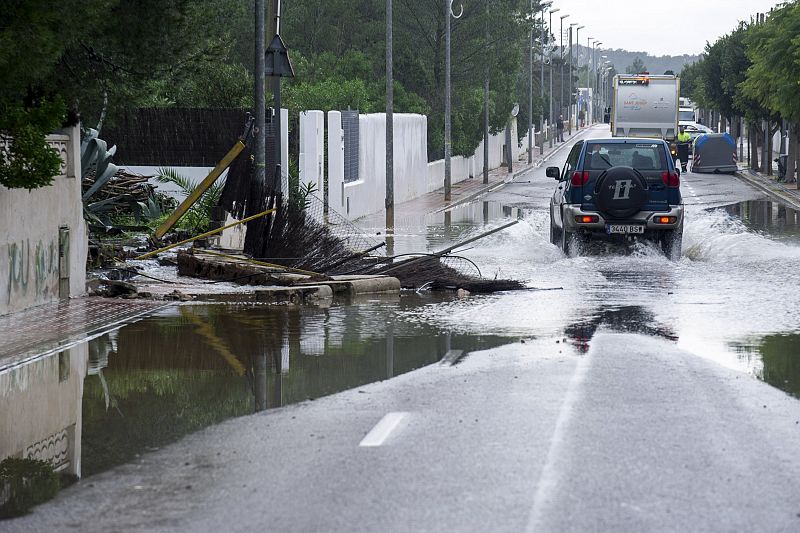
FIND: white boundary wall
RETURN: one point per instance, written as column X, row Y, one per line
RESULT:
column 367, row 195
column 30, row 268
column 312, row 148
column 413, row 175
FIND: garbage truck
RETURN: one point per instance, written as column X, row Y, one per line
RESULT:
column 645, row 105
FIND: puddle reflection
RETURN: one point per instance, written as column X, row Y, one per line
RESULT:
column 150, row 383
column 775, row 359
column 764, row 216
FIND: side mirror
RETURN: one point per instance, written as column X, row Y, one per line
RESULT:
column 553, row 172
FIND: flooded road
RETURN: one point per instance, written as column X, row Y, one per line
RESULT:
column 620, row 388
column 732, row 298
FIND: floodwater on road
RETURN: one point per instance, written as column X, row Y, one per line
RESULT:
column 733, row 296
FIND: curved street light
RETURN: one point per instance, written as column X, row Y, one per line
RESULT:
column 447, row 137
column 550, row 57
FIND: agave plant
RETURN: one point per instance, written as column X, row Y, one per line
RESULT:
column 198, row 218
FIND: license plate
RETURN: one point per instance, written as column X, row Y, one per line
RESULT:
column 628, row 229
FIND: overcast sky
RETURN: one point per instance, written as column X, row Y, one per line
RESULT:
column 659, row 27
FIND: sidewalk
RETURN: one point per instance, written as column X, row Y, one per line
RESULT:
column 46, row 329
column 786, row 192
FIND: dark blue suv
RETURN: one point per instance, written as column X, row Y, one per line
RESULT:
column 617, row 189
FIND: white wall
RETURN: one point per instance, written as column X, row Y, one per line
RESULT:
column 367, row 195
column 312, row 152
column 462, row 168
column 413, row 175
column 29, row 233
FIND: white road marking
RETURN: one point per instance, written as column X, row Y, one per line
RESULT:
column 378, row 435
column 548, row 479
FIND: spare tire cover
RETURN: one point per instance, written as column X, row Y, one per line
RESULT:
column 620, row 192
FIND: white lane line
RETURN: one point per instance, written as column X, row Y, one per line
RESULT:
column 548, row 479
column 378, row 435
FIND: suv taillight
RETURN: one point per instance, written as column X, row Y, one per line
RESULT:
column 579, row 179
column 671, row 179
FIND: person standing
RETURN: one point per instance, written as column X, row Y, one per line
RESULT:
column 683, row 147
column 560, row 129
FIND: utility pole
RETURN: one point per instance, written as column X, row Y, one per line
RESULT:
column 389, row 134
column 448, row 4
column 260, row 98
column 275, row 29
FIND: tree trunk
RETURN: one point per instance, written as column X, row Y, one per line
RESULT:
column 793, row 151
column 752, row 137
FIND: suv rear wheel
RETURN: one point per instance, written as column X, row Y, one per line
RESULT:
column 571, row 243
column 671, row 242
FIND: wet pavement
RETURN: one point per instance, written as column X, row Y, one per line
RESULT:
column 676, row 335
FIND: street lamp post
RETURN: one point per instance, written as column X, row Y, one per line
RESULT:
column 389, row 200
column 569, row 100
column 486, row 104
column 561, row 56
column 550, row 94
column 448, row 12
column 530, row 89
column 543, row 6
column 578, row 64
column 594, row 63
column 589, row 81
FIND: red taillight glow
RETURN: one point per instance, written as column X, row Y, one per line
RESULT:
column 671, row 179
column 579, row 179
column 586, row 219
column 665, row 220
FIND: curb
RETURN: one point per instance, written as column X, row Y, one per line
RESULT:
column 501, row 183
column 357, row 287
column 775, row 190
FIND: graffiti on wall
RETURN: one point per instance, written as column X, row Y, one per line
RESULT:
column 32, row 271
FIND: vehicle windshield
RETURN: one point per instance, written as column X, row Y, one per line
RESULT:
column 641, row 156
column 686, row 116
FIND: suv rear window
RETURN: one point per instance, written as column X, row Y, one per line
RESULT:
column 641, row 156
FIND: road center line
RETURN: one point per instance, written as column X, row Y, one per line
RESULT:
column 548, row 479
column 378, row 435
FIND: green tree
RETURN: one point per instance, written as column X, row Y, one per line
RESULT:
column 773, row 49
column 96, row 57
column 636, row 67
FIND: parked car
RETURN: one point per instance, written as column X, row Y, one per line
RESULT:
column 617, row 189
column 715, row 152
